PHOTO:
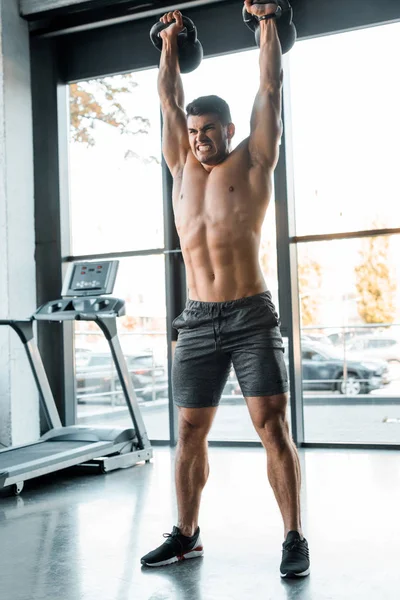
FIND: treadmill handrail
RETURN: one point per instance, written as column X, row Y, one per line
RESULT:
column 24, row 329
column 109, row 328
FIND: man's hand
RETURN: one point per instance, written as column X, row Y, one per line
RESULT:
column 259, row 10
column 175, row 28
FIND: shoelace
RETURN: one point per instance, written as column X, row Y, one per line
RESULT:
column 173, row 537
column 298, row 545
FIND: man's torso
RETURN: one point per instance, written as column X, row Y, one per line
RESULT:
column 219, row 215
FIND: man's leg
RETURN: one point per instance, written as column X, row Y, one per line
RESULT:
column 191, row 474
column 191, row 466
column 268, row 414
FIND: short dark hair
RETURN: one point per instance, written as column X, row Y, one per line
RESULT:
column 210, row 104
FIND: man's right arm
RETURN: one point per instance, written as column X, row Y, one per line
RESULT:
column 175, row 134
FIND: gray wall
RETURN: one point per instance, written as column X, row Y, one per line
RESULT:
column 19, row 415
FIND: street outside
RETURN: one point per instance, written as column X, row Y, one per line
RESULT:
column 328, row 417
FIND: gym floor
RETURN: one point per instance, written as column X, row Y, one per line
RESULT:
column 80, row 536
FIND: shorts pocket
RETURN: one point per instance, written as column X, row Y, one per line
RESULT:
column 187, row 320
column 272, row 310
column 175, row 322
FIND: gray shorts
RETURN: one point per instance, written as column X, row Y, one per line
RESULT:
column 213, row 336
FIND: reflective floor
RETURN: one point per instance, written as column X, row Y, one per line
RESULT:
column 80, row 536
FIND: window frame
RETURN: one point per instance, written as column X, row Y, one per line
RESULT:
column 89, row 52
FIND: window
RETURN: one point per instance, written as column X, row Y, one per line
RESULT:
column 116, row 199
column 345, row 180
column 381, row 343
column 116, row 202
column 360, row 345
column 350, row 288
column 142, row 333
column 99, row 361
column 145, row 361
column 346, row 149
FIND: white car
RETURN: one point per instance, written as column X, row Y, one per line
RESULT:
column 376, row 346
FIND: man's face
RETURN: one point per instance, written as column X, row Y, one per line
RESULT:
column 209, row 139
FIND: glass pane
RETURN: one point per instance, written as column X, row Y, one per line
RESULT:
column 232, row 421
column 143, row 337
column 115, row 164
column 345, row 98
column 350, row 308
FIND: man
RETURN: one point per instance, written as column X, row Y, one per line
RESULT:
column 220, row 198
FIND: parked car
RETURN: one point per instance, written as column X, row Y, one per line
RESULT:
column 377, row 346
column 99, row 376
column 316, row 337
column 343, row 336
column 323, row 369
column 82, row 356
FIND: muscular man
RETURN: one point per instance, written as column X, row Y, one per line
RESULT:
column 220, row 198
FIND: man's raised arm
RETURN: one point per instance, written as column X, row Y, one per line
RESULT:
column 175, row 134
column 266, row 126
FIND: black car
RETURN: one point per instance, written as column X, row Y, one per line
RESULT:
column 323, row 369
column 98, row 379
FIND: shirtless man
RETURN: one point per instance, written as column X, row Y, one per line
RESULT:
column 220, row 198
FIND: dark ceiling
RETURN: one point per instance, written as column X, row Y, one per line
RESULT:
column 95, row 13
column 330, row 15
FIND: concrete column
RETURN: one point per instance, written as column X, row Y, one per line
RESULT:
column 19, row 407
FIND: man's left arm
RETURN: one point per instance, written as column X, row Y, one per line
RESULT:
column 266, row 125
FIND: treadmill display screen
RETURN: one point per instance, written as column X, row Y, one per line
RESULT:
column 86, row 278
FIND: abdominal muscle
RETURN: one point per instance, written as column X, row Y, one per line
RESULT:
column 220, row 268
column 219, row 218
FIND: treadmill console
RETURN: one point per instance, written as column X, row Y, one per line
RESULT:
column 85, row 285
column 90, row 278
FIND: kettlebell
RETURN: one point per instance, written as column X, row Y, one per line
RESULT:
column 283, row 18
column 190, row 50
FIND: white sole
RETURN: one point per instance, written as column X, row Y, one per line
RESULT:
column 170, row 561
column 303, row 574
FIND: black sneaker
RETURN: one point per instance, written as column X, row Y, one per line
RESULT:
column 177, row 547
column 295, row 556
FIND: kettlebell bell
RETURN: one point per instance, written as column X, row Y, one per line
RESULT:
column 190, row 50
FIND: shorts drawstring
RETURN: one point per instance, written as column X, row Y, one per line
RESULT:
column 215, row 313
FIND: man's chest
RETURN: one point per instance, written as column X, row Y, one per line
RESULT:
column 211, row 195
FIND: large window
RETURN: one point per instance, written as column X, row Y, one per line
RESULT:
column 142, row 332
column 117, row 206
column 345, row 92
column 345, row 180
column 345, row 157
column 115, row 165
column 350, row 311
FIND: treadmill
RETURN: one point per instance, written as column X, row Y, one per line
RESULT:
column 85, row 296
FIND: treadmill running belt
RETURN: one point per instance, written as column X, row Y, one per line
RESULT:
column 18, row 456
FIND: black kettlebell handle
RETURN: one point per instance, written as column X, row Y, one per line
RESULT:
column 265, row 2
column 252, row 21
column 191, row 32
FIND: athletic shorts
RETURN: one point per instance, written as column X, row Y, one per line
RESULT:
column 214, row 335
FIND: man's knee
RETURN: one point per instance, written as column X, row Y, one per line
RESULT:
column 275, row 424
column 195, row 424
column 269, row 418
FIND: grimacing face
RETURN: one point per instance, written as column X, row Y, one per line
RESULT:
column 209, row 140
